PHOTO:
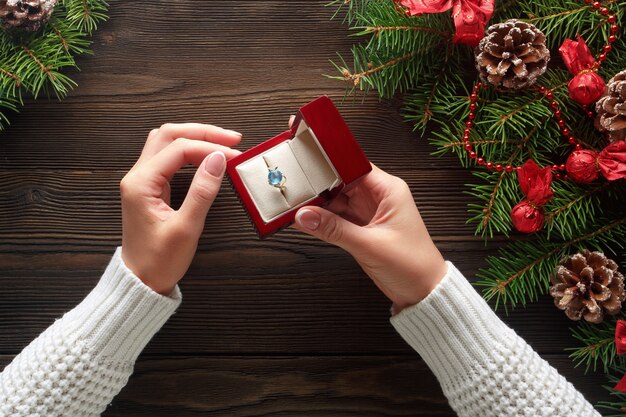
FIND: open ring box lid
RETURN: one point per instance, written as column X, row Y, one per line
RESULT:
column 318, row 157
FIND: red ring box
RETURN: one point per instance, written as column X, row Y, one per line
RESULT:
column 318, row 156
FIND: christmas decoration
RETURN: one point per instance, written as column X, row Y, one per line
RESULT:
column 468, row 146
column 512, row 55
column 27, row 15
column 620, row 337
column 587, row 86
column 611, row 109
column 470, row 16
column 528, row 216
column 33, row 53
column 585, row 166
column 620, row 348
column 588, row 285
column 496, row 129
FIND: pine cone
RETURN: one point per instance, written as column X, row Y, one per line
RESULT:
column 512, row 55
column 588, row 285
column 611, row 109
column 26, row 15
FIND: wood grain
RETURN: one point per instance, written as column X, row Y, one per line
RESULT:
column 286, row 386
column 44, row 205
column 282, row 327
column 248, row 308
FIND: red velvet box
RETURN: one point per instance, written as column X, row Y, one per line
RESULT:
column 318, row 156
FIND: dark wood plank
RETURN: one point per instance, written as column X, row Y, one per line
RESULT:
column 284, row 386
column 284, row 303
column 56, row 207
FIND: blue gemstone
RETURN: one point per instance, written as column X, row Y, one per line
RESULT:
column 274, row 177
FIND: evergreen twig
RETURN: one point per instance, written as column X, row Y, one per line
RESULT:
column 522, row 270
column 33, row 64
column 598, row 344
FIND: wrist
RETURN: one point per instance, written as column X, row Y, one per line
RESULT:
column 158, row 286
column 165, row 290
column 420, row 284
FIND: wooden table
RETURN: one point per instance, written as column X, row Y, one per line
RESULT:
column 283, row 327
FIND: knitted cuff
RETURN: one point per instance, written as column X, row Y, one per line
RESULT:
column 453, row 328
column 121, row 314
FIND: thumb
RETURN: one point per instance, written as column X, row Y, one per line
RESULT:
column 330, row 228
column 204, row 188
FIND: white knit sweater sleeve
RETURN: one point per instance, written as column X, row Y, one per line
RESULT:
column 77, row 366
column 483, row 366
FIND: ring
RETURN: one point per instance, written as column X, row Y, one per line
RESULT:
column 277, row 179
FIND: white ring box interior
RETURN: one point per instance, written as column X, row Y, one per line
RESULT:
column 302, row 161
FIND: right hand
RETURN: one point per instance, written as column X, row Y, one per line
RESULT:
column 377, row 222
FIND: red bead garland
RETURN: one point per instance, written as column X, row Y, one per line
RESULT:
column 468, row 146
column 548, row 95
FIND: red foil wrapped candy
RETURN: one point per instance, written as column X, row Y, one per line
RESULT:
column 587, row 86
column 586, row 166
column 536, row 184
column 581, row 166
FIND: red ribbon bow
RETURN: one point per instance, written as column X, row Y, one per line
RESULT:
column 585, row 166
column 470, row 16
column 536, row 184
column 620, row 344
column 587, row 86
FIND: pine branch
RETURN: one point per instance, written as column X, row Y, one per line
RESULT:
column 506, row 115
column 436, row 98
column 42, row 69
column 378, row 30
column 598, row 344
column 575, row 206
column 562, row 19
column 70, row 38
column 522, row 270
column 386, row 27
column 498, row 194
column 351, row 8
column 366, row 76
column 7, row 103
column 496, row 213
column 85, row 15
column 34, row 63
column 559, row 25
column 460, row 144
column 398, row 50
column 425, row 102
column 499, row 190
column 618, row 399
column 9, row 82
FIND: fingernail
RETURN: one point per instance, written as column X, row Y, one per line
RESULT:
column 215, row 164
column 232, row 132
column 308, row 219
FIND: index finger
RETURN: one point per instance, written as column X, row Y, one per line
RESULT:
column 180, row 153
column 169, row 132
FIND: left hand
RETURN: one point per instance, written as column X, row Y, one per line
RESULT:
column 158, row 242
